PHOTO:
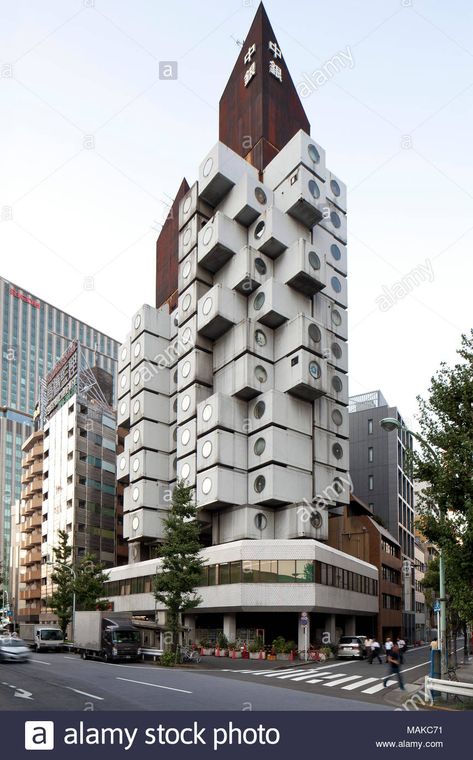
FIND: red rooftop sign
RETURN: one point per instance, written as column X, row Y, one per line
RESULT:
column 26, row 299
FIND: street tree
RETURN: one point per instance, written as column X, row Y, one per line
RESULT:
column 61, row 600
column 446, row 501
column 90, row 584
column 181, row 568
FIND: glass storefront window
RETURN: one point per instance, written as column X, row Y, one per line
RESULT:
column 286, row 570
column 268, row 571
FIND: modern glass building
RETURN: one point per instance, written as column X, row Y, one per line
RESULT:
column 34, row 336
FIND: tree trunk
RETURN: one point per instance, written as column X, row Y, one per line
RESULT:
column 466, row 648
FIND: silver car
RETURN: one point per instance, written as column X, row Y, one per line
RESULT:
column 14, row 650
column 352, row 646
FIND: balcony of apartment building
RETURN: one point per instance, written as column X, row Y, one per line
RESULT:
column 32, row 575
column 32, row 593
column 31, row 540
column 30, row 613
column 32, row 557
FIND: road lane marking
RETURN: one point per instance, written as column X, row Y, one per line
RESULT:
column 84, row 693
column 22, row 693
column 310, row 675
column 41, row 662
column 155, row 685
column 342, row 680
column 359, row 683
column 66, row 657
column 378, row 687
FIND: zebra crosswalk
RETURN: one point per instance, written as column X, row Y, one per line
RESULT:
column 323, row 677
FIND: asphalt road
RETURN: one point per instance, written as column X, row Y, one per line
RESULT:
column 65, row 682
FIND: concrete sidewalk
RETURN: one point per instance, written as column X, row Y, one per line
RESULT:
column 414, row 698
column 210, row 662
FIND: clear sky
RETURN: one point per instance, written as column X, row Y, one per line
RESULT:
column 93, row 146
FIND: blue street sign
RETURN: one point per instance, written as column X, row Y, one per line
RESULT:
column 437, row 605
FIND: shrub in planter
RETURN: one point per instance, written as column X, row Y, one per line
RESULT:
column 168, row 659
column 279, row 644
column 327, row 651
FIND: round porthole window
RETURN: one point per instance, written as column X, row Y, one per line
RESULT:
column 207, row 236
column 260, row 266
column 336, row 317
column 337, row 451
column 207, row 306
column 174, row 434
column 260, row 483
column 336, row 284
column 136, row 436
column 185, row 437
column 259, row 410
column 260, row 195
column 314, row 333
column 185, row 470
column 124, row 353
column 123, row 408
column 137, row 378
column 174, row 464
column 338, row 485
column 259, row 301
column 336, row 252
column 337, row 417
column 337, row 384
column 261, row 521
column 123, row 381
column 135, row 494
column 261, row 374
column 314, row 189
column 136, row 465
column 187, row 204
column 337, row 350
column 174, row 405
column 186, row 369
column 186, row 336
column 335, row 187
column 185, row 403
column 335, row 219
column 316, row 520
column 186, row 270
column 207, row 449
column 208, row 167
column 174, row 377
column 314, row 154
column 206, row 485
column 135, row 523
column 137, row 321
column 137, row 350
column 187, row 236
column 314, row 260
column 259, row 230
column 260, row 338
column 259, row 447
column 315, row 370
column 136, row 407
column 176, row 320
column 207, row 412
column 186, row 302
column 122, row 463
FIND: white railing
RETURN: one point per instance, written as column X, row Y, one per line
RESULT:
column 458, row 688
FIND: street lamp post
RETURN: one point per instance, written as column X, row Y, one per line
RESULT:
column 390, row 424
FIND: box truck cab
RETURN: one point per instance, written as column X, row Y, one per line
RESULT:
column 106, row 636
column 42, row 638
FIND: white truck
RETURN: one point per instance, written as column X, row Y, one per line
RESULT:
column 107, row 636
column 42, row 637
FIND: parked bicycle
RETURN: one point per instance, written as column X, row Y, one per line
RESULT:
column 190, row 655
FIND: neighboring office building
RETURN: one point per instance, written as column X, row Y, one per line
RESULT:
column 31, row 525
column 14, row 601
column 422, row 623
column 34, row 335
column 242, row 390
column 356, row 532
column 381, row 478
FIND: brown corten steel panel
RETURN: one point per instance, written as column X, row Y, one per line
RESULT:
column 167, row 253
column 258, row 120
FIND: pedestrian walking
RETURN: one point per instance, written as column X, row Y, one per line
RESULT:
column 388, row 645
column 402, row 648
column 394, row 662
column 375, row 652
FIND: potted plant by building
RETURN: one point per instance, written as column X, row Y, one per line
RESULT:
column 256, row 649
column 206, row 647
column 327, row 651
column 233, row 650
column 222, row 645
column 290, row 649
column 279, row 647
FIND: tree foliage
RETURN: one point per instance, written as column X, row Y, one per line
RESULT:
column 446, row 502
column 181, row 568
column 87, row 580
